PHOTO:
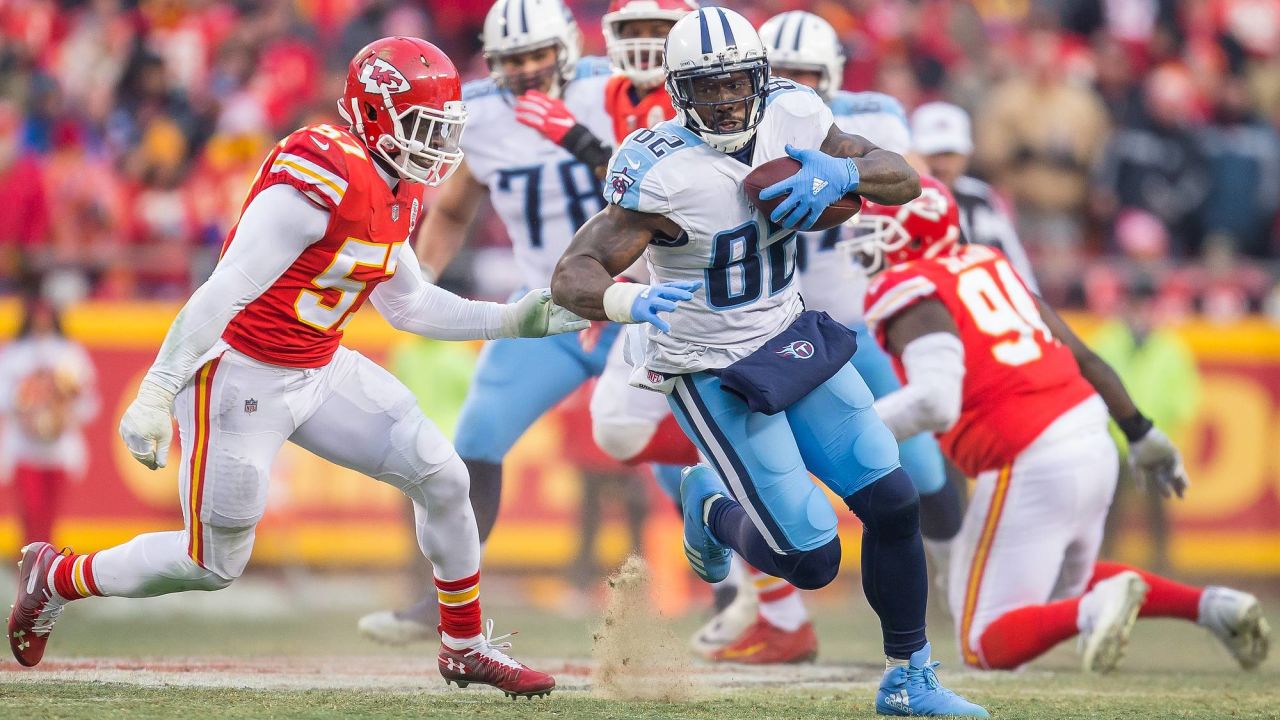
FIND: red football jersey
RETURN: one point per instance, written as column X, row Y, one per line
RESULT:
column 298, row 321
column 1018, row 377
column 628, row 115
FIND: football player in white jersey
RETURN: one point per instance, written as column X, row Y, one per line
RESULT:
column 762, row 387
column 804, row 48
column 543, row 189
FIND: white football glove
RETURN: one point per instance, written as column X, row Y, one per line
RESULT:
column 1158, row 463
column 534, row 315
column 146, row 426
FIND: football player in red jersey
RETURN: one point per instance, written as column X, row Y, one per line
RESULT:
column 253, row 359
column 1019, row 402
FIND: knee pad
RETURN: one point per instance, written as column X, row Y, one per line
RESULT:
column 417, row 452
column 813, row 569
column 621, row 440
column 226, row 553
column 888, row 507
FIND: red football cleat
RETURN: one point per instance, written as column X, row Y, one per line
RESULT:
column 487, row 663
column 766, row 644
column 32, row 615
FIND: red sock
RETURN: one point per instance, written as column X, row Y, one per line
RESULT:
column 460, row 606
column 1166, row 598
column 73, row 577
column 1020, row 636
column 668, row 446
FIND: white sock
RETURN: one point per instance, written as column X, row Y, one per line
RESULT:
column 706, row 508
column 891, row 662
column 788, row 612
column 463, row 644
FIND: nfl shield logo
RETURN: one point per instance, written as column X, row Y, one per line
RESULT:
column 250, row 406
column 395, row 213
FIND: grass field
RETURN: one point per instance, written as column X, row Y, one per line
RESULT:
column 251, row 652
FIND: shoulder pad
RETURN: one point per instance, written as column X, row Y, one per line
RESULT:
column 592, row 66
column 849, row 103
column 314, row 159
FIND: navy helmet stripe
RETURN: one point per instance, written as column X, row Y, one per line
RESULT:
column 800, row 18
column 724, row 25
column 506, row 25
column 706, row 32
column 524, row 22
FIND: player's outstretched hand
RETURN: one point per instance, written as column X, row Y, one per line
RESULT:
column 821, row 180
column 660, row 298
column 1159, row 464
column 534, row 315
column 146, row 427
column 545, row 114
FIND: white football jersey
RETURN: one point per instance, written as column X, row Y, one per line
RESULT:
column 746, row 264
column 826, row 280
column 542, row 193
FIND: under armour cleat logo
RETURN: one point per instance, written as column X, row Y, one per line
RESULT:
column 456, row 665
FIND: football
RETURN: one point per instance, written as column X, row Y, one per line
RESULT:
column 782, row 168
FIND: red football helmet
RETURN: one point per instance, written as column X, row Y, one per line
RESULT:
column 640, row 58
column 404, row 99
column 885, row 235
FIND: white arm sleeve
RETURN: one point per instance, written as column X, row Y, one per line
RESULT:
column 412, row 304
column 931, row 398
column 273, row 231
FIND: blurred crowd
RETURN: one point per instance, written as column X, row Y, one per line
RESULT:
column 1136, row 139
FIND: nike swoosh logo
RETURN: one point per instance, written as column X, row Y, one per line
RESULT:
column 633, row 164
column 32, row 579
column 744, row 652
column 319, row 144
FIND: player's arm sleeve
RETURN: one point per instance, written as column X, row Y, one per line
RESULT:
column 277, row 226
column 410, row 303
column 930, row 401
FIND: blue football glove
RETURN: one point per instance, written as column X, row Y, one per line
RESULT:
column 821, row 180
column 661, row 298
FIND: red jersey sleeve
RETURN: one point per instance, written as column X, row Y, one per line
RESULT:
column 313, row 161
column 892, row 292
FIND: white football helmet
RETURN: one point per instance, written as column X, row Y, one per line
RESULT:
column 800, row 40
column 640, row 59
column 517, row 26
column 708, row 45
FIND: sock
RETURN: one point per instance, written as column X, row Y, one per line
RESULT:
column 668, row 446
column 459, row 610
column 730, row 525
column 894, row 577
column 893, row 662
column 71, row 577
column 486, row 494
column 1019, row 636
column 780, row 601
column 1166, row 598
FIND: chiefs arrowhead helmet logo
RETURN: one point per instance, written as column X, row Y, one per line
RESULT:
column 378, row 74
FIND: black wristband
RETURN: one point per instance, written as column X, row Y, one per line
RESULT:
column 1135, row 428
column 585, row 146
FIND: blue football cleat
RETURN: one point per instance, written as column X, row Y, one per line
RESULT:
column 708, row 556
column 913, row 691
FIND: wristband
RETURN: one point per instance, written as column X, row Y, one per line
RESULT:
column 1136, row 427
column 619, row 299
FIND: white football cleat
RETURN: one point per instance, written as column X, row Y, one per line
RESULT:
column 387, row 628
column 1108, row 613
column 727, row 624
column 1235, row 618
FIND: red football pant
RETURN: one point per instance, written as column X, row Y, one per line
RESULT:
column 39, row 490
column 1021, row 635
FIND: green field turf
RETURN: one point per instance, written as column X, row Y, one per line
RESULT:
column 309, row 663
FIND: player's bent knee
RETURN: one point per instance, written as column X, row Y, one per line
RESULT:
column 421, row 456
column 814, row 569
column 889, row 507
column 621, row 441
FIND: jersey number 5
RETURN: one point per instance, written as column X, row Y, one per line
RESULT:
column 1000, row 305
column 312, row 306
